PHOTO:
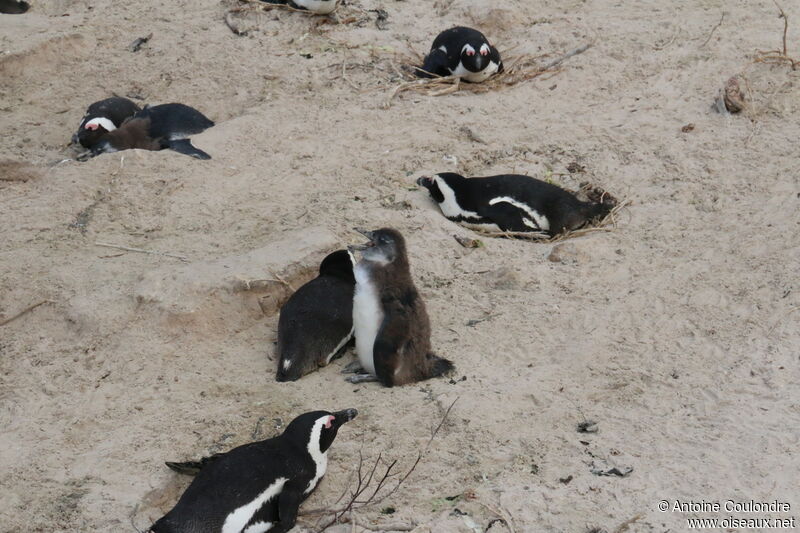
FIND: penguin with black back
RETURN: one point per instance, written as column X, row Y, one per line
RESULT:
column 102, row 117
column 14, row 7
column 165, row 126
column 511, row 202
column 462, row 52
column 316, row 323
column 392, row 328
column 319, row 7
column 257, row 487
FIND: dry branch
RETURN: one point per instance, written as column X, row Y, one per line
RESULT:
column 24, row 311
column 141, row 251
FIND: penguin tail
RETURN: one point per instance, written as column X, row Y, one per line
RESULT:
column 192, row 468
column 435, row 65
column 439, row 366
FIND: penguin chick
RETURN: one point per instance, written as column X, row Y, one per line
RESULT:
column 101, row 117
column 462, row 52
column 316, row 323
column 257, row 487
column 510, row 202
column 392, row 329
column 319, row 7
column 165, row 126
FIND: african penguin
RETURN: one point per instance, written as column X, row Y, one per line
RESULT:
column 510, row 202
column 13, row 7
column 156, row 128
column 257, row 487
column 317, row 321
column 102, row 117
column 392, row 329
column 320, row 7
column 464, row 53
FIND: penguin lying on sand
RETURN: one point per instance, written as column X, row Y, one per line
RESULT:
column 317, row 321
column 257, row 487
column 102, row 117
column 510, row 202
column 156, row 128
column 392, row 329
column 13, row 7
column 464, row 53
column 320, row 7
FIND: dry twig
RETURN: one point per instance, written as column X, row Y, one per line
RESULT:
column 24, row 311
column 141, row 251
column 714, row 29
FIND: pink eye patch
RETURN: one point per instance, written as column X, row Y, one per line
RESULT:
column 328, row 422
column 92, row 127
column 470, row 53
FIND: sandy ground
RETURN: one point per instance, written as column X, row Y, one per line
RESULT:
column 677, row 332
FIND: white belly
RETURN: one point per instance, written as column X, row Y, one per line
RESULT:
column 476, row 77
column 367, row 317
column 323, row 7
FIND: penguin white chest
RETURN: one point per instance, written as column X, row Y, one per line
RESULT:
column 476, row 77
column 367, row 316
column 321, row 7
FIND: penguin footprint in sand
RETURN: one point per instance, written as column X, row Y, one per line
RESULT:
column 511, row 202
column 165, row 126
column 257, row 487
column 464, row 53
column 392, row 328
column 316, row 323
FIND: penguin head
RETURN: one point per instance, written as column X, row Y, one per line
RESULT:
column 315, row 431
column 447, row 187
column 476, row 54
column 338, row 264
column 385, row 245
column 92, row 130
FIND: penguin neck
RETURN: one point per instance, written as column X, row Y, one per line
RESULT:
column 387, row 275
column 319, row 457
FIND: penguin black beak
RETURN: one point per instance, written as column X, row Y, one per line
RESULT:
column 342, row 417
column 361, row 247
column 425, row 181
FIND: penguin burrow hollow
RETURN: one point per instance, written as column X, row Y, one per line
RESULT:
column 511, row 202
column 257, row 487
column 165, row 126
column 316, row 323
column 462, row 52
column 392, row 328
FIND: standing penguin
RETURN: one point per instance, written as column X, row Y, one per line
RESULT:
column 464, row 53
column 257, row 487
column 511, row 202
column 102, row 117
column 392, row 329
column 156, row 128
column 317, row 321
column 320, row 7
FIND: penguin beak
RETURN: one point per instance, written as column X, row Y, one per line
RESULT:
column 342, row 417
column 425, row 181
column 361, row 247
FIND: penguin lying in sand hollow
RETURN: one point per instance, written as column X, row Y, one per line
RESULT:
column 316, row 323
column 511, row 202
column 392, row 328
column 464, row 53
column 320, row 7
column 101, row 117
column 165, row 126
column 257, row 487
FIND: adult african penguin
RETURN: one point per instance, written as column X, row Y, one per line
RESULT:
column 462, row 52
column 316, row 323
column 101, row 117
column 320, row 7
column 510, row 202
column 257, row 487
column 165, row 126
column 392, row 328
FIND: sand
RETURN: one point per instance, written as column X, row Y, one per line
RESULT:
column 677, row 331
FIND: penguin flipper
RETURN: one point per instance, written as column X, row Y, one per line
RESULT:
column 289, row 501
column 184, row 146
column 509, row 217
column 192, row 468
column 435, row 65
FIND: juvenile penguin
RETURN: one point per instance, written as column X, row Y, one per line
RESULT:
column 156, row 128
column 320, row 7
column 317, row 321
column 392, row 329
column 510, row 202
column 464, row 53
column 13, row 7
column 257, row 487
column 102, row 117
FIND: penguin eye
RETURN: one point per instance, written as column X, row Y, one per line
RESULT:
column 485, row 49
column 468, row 50
column 92, row 127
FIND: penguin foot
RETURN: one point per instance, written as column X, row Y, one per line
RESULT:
column 184, row 146
column 361, row 378
column 353, row 368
